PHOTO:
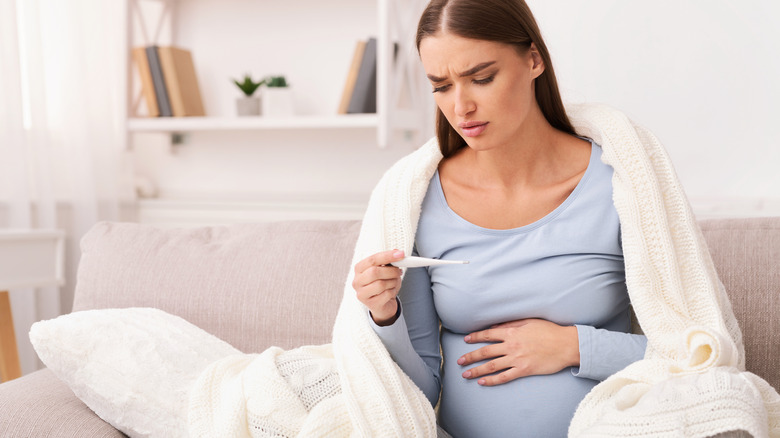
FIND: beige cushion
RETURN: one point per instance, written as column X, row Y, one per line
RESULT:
column 41, row 405
column 252, row 285
column 746, row 253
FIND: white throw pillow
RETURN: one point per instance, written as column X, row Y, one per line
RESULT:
column 133, row 367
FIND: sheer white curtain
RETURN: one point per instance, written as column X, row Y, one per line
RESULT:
column 61, row 131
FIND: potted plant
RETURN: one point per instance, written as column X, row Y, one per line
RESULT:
column 277, row 97
column 248, row 105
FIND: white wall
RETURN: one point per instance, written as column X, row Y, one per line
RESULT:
column 700, row 74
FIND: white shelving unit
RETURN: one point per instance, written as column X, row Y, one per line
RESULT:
column 189, row 124
column 400, row 105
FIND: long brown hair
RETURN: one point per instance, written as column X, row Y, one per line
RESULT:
column 504, row 21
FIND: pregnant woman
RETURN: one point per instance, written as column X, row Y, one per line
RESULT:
column 509, row 344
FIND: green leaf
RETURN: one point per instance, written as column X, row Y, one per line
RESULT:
column 276, row 81
column 248, row 86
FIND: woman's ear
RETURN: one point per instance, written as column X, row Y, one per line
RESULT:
column 537, row 68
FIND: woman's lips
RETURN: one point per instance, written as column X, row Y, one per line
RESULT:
column 473, row 129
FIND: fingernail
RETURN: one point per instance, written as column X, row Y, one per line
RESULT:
column 467, row 338
column 461, row 361
column 398, row 254
column 481, row 381
column 467, row 374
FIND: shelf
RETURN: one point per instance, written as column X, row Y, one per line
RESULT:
column 402, row 94
column 189, row 124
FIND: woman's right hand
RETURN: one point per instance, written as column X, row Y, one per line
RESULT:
column 377, row 284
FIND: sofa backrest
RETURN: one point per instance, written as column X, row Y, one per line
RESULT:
column 746, row 253
column 252, row 285
column 280, row 284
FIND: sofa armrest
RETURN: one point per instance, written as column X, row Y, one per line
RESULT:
column 41, row 405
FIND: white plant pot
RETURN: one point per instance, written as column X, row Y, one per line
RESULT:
column 248, row 106
column 277, row 101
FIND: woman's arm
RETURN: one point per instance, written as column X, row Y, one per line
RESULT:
column 604, row 352
column 529, row 347
column 413, row 339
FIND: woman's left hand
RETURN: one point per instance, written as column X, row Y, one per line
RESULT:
column 521, row 348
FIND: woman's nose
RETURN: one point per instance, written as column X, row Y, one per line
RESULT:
column 464, row 104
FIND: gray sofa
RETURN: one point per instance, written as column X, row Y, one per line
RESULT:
column 280, row 284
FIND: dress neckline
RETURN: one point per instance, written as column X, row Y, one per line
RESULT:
column 533, row 225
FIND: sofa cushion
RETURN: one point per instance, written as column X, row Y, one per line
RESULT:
column 746, row 253
column 252, row 285
column 41, row 405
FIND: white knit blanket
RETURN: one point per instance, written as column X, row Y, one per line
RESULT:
column 691, row 383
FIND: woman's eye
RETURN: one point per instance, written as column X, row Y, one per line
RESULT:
column 440, row 89
column 487, row 80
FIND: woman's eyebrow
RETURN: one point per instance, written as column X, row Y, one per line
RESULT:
column 473, row 70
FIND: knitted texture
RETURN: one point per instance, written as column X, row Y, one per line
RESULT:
column 691, row 382
column 274, row 394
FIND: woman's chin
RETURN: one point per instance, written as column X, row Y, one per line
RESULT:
column 479, row 144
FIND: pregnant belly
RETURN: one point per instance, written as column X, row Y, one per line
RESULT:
column 533, row 406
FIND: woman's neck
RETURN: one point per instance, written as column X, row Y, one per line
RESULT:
column 532, row 159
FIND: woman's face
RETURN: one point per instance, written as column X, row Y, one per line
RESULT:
column 485, row 89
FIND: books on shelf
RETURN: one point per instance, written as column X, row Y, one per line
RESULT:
column 168, row 81
column 180, row 81
column 352, row 74
column 359, row 94
column 147, row 84
column 158, row 81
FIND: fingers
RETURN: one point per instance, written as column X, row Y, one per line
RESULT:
column 378, row 287
column 380, row 302
column 497, row 379
column 501, row 369
column 520, row 348
column 487, row 352
column 376, row 274
column 489, row 335
column 373, row 276
column 377, row 284
column 504, row 365
column 383, row 306
column 379, row 259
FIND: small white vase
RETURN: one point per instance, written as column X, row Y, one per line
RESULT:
column 248, row 106
column 277, row 102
